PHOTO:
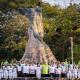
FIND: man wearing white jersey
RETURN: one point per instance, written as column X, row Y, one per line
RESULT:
column 25, row 70
column 1, row 72
column 52, row 70
column 58, row 72
column 22, row 63
column 79, row 72
column 10, row 72
column 75, row 71
column 38, row 71
column 19, row 70
column 69, row 73
column 5, row 73
column 14, row 72
column 32, row 70
column 63, row 71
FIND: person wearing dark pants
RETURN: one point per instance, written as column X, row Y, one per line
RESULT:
column 19, row 70
column 45, row 70
column 25, row 70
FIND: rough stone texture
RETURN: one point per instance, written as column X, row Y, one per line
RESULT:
column 36, row 50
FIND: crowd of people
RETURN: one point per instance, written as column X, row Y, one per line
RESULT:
column 55, row 70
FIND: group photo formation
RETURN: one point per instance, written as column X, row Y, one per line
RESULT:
column 39, row 39
column 44, row 71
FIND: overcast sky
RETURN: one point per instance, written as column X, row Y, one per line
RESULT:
column 63, row 3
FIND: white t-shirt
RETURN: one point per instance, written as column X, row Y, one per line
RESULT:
column 58, row 70
column 38, row 72
column 32, row 69
column 79, row 73
column 19, row 68
column 75, row 71
column 1, row 73
column 10, row 72
column 14, row 73
column 63, row 69
column 25, row 69
column 38, row 69
column 10, row 69
column 5, row 72
column 69, row 73
column 52, row 69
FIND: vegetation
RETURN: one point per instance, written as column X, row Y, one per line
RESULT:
column 59, row 26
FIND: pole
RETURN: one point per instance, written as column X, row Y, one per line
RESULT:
column 71, row 39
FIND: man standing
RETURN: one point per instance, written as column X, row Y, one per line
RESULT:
column 19, row 70
column 38, row 71
column 45, row 70
column 25, row 70
column 32, row 70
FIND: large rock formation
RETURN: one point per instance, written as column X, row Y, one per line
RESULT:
column 36, row 50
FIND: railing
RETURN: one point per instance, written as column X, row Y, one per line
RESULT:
column 35, row 78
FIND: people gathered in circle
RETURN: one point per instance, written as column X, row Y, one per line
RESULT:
column 55, row 70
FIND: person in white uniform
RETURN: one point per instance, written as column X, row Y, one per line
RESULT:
column 38, row 71
column 58, row 72
column 79, row 72
column 25, row 70
column 22, row 64
column 10, row 72
column 14, row 74
column 52, row 70
column 1, row 72
column 19, row 70
column 75, row 71
column 32, row 70
column 69, row 73
column 5, row 74
column 63, row 71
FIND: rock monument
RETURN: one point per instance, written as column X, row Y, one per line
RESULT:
column 36, row 50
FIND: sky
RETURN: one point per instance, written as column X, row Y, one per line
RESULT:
column 63, row 3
